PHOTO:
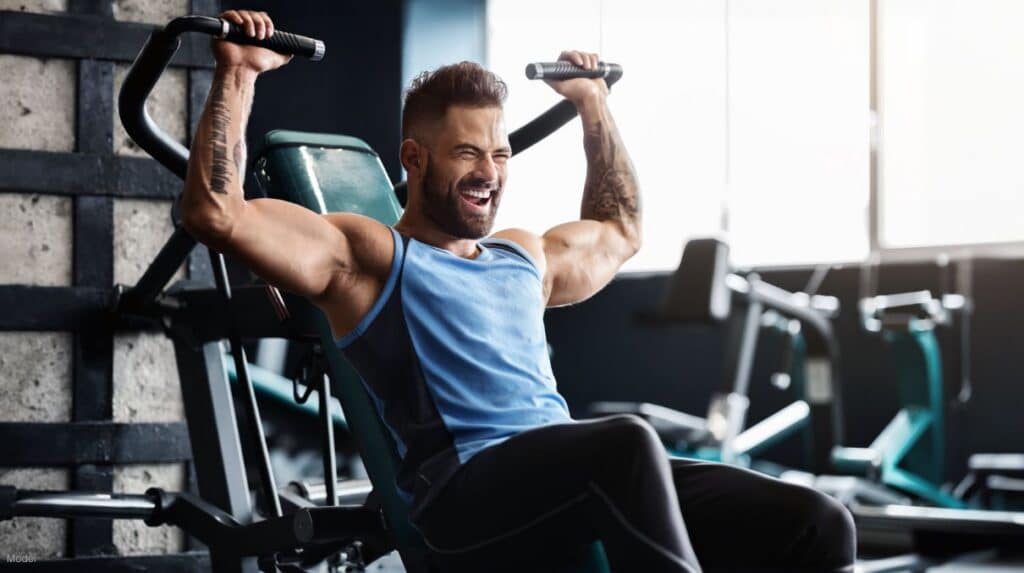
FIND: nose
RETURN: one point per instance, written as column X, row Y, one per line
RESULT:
column 487, row 169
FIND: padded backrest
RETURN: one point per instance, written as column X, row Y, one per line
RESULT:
column 330, row 173
column 697, row 291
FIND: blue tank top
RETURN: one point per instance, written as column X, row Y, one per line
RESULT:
column 454, row 355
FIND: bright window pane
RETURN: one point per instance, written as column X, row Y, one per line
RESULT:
column 798, row 130
column 952, row 118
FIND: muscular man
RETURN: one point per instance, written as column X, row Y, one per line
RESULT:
column 443, row 321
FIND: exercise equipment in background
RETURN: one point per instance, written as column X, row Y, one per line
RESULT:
column 704, row 290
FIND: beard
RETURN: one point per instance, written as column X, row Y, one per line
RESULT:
column 445, row 209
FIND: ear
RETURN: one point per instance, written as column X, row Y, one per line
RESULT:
column 413, row 157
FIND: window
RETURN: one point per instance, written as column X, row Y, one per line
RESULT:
column 798, row 131
column 743, row 116
column 951, row 115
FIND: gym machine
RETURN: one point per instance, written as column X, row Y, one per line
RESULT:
column 340, row 526
column 704, row 290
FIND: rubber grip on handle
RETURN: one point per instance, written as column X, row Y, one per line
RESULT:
column 281, row 42
column 566, row 70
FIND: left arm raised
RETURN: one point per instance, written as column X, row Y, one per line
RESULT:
column 583, row 256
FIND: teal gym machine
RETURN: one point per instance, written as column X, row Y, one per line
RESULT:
column 909, row 454
column 705, row 290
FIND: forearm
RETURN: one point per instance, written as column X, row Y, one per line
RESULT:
column 611, row 192
column 213, row 186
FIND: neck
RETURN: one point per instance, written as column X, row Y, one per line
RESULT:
column 414, row 224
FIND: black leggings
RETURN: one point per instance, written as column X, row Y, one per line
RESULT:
column 518, row 505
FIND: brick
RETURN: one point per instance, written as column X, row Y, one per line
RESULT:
column 38, row 110
column 35, row 376
column 35, row 237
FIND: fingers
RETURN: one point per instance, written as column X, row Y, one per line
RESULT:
column 586, row 60
column 233, row 16
column 270, row 24
column 255, row 24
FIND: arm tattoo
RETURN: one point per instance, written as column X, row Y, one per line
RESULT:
column 611, row 190
column 220, row 121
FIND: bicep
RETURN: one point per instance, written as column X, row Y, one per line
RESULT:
column 583, row 257
column 288, row 246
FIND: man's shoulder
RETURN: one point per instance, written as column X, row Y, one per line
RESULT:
column 370, row 242
column 530, row 242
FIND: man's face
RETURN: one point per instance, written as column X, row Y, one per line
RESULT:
column 466, row 170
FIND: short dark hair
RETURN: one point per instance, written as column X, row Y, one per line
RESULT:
column 464, row 83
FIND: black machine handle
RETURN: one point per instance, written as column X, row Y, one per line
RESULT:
column 153, row 59
column 561, row 113
column 567, row 71
column 281, row 42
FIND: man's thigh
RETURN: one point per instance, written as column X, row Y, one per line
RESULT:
column 532, row 486
column 738, row 517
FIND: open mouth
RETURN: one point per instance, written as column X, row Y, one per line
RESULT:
column 478, row 199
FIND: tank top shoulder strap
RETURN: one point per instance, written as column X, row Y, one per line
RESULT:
column 512, row 247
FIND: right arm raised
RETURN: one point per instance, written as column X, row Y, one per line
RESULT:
column 287, row 245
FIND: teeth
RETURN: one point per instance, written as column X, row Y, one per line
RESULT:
column 477, row 194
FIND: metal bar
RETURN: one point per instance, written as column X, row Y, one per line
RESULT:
column 350, row 492
column 249, row 314
column 93, row 264
column 875, row 135
column 88, row 536
column 50, row 308
column 93, row 354
column 743, row 334
column 254, row 424
column 94, row 120
column 900, row 563
column 142, row 77
column 772, row 429
column 72, row 505
column 86, row 36
column 919, row 518
column 216, row 444
column 92, row 442
column 93, row 225
column 85, row 173
column 272, row 385
column 542, row 126
column 327, row 431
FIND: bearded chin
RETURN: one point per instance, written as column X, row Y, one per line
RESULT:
column 443, row 209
